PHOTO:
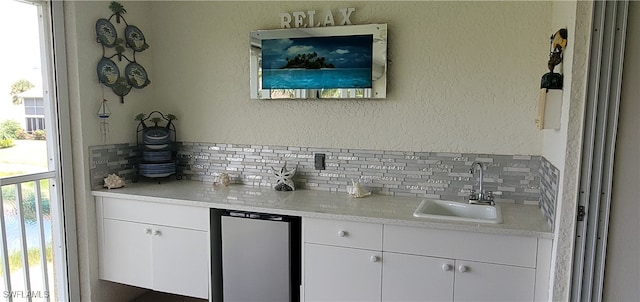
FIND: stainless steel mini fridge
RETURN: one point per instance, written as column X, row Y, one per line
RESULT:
column 259, row 257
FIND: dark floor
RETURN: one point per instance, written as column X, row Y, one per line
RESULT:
column 163, row 297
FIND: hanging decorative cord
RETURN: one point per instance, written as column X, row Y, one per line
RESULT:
column 104, row 113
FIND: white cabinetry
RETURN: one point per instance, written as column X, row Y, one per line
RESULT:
column 480, row 267
column 477, row 281
column 342, row 260
column 347, row 261
column 417, row 278
column 421, row 278
column 341, row 274
column 152, row 245
column 125, row 255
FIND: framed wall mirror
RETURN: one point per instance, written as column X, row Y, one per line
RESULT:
column 338, row 62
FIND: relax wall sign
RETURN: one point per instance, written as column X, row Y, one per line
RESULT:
column 308, row 18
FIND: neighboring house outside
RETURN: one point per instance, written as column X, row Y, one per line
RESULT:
column 30, row 114
column 32, row 118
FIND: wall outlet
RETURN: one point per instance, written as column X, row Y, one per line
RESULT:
column 319, row 161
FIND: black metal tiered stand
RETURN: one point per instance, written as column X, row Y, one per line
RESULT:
column 156, row 144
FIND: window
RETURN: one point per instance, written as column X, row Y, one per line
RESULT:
column 34, row 106
column 34, row 114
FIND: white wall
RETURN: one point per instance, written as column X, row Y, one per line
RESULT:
column 463, row 77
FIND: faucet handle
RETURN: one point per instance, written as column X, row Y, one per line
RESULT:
column 491, row 194
column 471, row 192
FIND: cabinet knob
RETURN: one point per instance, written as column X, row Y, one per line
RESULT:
column 147, row 231
column 374, row 259
column 342, row 233
column 463, row 268
column 156, row 233
column 446, row 267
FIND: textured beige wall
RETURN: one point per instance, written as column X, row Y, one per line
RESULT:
column 85, row 95
column 555, row 141
column 570, row 163
column 463, row 77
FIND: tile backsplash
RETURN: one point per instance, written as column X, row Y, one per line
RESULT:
column 549, row 178
column 106, row 159
column 523, row 179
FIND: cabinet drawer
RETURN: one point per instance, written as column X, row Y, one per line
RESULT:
column 156, row 213
column 343, row 233
column 501, row 249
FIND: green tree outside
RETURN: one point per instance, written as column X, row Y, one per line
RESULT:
column 9, row 129
column 17, row 88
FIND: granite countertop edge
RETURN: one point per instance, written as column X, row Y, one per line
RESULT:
column 518, row 220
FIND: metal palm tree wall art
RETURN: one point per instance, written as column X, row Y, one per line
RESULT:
column 109, row 74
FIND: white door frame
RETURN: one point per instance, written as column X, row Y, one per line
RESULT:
column 598, row 148
column 59, row 91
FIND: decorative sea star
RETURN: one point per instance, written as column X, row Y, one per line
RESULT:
column 284, row 180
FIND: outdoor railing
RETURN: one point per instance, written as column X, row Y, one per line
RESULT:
column 30, row 211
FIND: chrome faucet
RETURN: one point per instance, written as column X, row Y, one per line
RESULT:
column 482, row 197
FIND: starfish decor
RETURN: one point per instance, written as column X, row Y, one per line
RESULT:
column 284, row 180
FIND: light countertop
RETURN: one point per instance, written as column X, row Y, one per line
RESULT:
column 522, row 220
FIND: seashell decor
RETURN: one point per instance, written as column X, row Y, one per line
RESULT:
column 356, row 190
column 284, row 179
column 222, row 180
column 113, row 182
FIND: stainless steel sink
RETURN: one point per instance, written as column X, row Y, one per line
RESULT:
column 457, row 211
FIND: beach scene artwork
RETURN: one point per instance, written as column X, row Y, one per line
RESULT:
column 317, row 62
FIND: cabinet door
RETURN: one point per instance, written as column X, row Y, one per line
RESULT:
column 341, row 274
column 476, row 281
column 416, row 278
column 126, row 253
column 181, row 261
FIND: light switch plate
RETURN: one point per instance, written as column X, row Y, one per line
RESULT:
column 319, row 161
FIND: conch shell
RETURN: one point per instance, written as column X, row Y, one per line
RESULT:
column 113, row 182
column 222, row 180
column 356, row 190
